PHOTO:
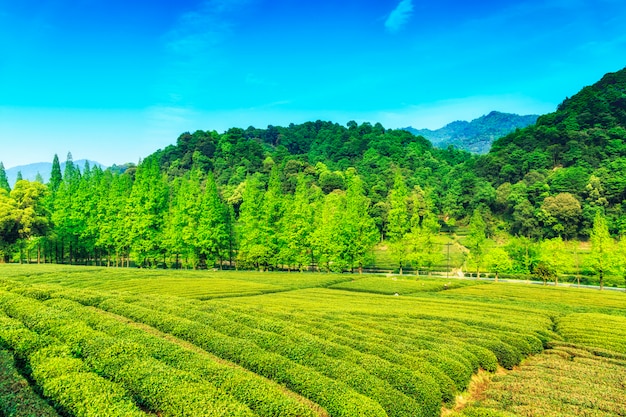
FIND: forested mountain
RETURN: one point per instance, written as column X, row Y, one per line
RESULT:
column 324, row 194
column 322, row 151
column 561, row 170
column 478, row 135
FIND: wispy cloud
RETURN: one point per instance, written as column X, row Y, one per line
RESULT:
column 195, row 49
column 400, row 16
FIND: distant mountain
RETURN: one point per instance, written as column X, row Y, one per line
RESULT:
column 478, row 135
column 30, row 171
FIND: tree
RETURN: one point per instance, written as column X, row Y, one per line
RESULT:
column 8, row 225
column 4, row 182
column 55, row 175
column 31, row 214
column 182, row 226
column 250, row 230
column 113, row 209
column 146, row 212
column 524, row 254
column 424, row 251
column 498, row 261
column 271, row 214
column 297, row 226
column 359, row 231
column 601, row 259
column 68, row 224
column 328, row 222
column 561, row 214
column 553, row 254
column 543, row 271
column 621, row 259
column 476, row 240
column 212, row 234
column 398, row 220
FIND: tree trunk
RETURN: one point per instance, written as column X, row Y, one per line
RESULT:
column 601, row 280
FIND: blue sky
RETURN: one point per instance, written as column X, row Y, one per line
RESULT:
column 115, row 80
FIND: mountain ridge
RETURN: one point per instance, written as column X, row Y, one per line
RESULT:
column 475, row 136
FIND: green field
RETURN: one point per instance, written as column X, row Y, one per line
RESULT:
column 79, row 341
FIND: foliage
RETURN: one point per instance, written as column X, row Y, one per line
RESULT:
column 602, row 257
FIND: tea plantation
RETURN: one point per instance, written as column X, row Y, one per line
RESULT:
column 80, row 341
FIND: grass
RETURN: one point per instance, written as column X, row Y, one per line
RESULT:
column 302, row 344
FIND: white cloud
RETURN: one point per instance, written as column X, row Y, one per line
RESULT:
column 399, row 17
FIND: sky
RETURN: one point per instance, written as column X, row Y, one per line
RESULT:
column 115, row 80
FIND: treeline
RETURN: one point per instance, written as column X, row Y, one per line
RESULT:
column 109, row 218
column 145, row 217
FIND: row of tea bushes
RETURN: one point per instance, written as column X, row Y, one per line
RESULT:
column 264, row 398
column 595, row 330
column 63, row 379
column 17, row 396
column 334, row 396
column 400, row 391
column 566, row 380
column 154, row 385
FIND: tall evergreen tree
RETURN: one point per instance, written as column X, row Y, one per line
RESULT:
column 297, row 226
column 476, row 240
column 272, row 212
column 212, row 234
column 55, row 174
column 326, row 238
column 66, row 216
column 358, row 228
column 250, row 228
column 4, row 182
column 601, row 260
column 398, row 221
column 146, row 213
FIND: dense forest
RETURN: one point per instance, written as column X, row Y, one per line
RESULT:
column 322, row 194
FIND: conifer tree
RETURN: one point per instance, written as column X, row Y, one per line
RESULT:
column 250, row 229
column 272, row 212
column 212, row 233
column 297, row 226
column 326, row 238
column 601, row 260
column 55, row 175
column 358, row 228
column 398, row 221
column 4, row 182
column 476, row 240
column 145, row 214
